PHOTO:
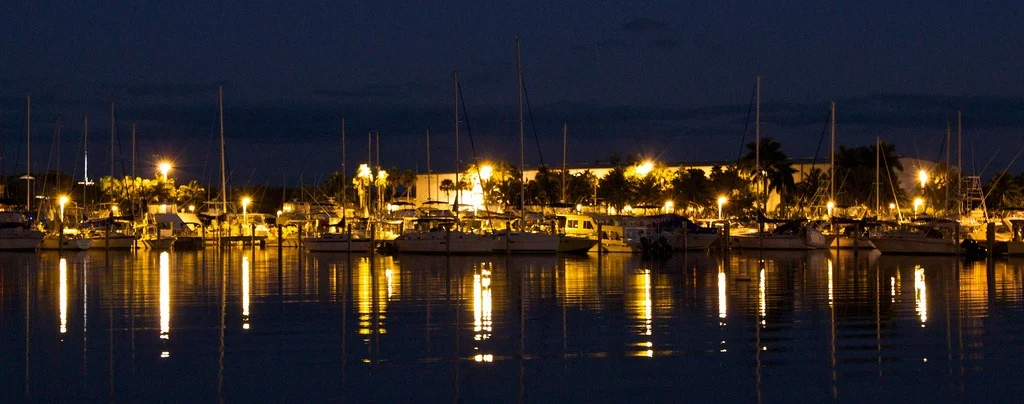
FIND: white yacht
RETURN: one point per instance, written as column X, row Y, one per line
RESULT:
column 434, row 236
column 17, row 234
column 935, row 237
column 584, row 227
column 526, row 242
column 794, row 235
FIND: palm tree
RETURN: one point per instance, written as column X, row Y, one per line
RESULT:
column 614, row 188
column 776, row 167
column 447, row 186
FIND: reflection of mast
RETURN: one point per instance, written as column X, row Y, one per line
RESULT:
column 482, row 308
column 245, row 292
column 832, row 329
column 63, row 270
column 165, row 300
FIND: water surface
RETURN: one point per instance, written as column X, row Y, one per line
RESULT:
column 246, row 325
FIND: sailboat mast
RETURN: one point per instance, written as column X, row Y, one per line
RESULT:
column 522, row 160
column 455, row 87
column 28, row 152
column 223, row 167
column 344, row 197
column 878, row 183
column 832, row 155
column 134, row 155
column 56, row 135
column 757, row 136
column 948, row 169
column 565, row 133
column 85, row 148
column 113, row 126
column 430, row 187
column 959, row 161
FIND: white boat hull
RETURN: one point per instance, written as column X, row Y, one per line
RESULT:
column 850, row 243
column 163, row 244
column 615, row 246
column 438, row 243
column 915, row 245
column 336, row 244
column 573, row 244
column 782, row 242
column 118, row 242
column 518, row 242
column 20, row 240
column 52, row 242
column 693, row 242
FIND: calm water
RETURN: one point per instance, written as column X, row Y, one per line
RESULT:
column 244, row 325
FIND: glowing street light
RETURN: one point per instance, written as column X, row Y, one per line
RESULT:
column 918, row 203
column 923, row 177
column 485, row 172
column 830, row 206
column 722, row 200
column 62, row 201
column 643, row 169
column 245, row 209
column 164, row 167
column 668, row 206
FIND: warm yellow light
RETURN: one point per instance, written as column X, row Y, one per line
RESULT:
column 485, row 172
column 643, row 169
column 63, row 271
column 668, row 206
column 246, row 201
column 191, row 208
column 830, row 205
column 164, row 167
column 579, row 207
column 279, row 213
column 364, row 172
column 287, row 207
column 113, row 208
column 627, row 209
column 923, row 177
column 722, row 200
column 63, row 201
column 918, row 202
column 165, row 295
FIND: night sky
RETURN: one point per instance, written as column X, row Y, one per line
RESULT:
column 671, row 81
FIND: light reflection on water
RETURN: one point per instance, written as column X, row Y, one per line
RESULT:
column 753, row 326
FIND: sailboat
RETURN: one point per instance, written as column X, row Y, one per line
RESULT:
column 341, row 241
column 850, row 238
column 442, row 235
column 108, row 232
column 61, row 236
column 16, row 231
column 522, row 241
column 787, row 235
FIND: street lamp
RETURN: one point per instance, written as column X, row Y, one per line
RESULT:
column 164, row 168
column 485, row 172
column 668, row 206
column 829, row 206
column 63, row 201
column 643, row 169
column 923, row 177
column 722, row 200
column 918, row 202
column 245, row 209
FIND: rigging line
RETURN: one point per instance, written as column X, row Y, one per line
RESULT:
column 994, row 183
column 821, row 140
column 533, row 124
column 469, row 132
column 743, row 139
column 892, row 186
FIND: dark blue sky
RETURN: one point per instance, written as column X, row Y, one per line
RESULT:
column 667, row 80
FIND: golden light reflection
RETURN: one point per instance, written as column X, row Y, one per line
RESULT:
column 920, row 294
column 165, row 295
column 482, row 303
column 484, row 358
column 830, row 295
column 391, row 290
column 372, row 300
column 245, row 293
column 63, row 296
column 722, row 305
column 762, row 301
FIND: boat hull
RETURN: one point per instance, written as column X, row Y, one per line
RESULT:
column 440, row 243
column 850, row 243
column 119, row 242
column 190, row 243
column 20, row 240
column 781, row 242
column 615, row 246
column 915, row 245
column 694, row 242
column 163, row 244
column 333, row 244
column 573, row 244
column 54, row 243
column 516, row 242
